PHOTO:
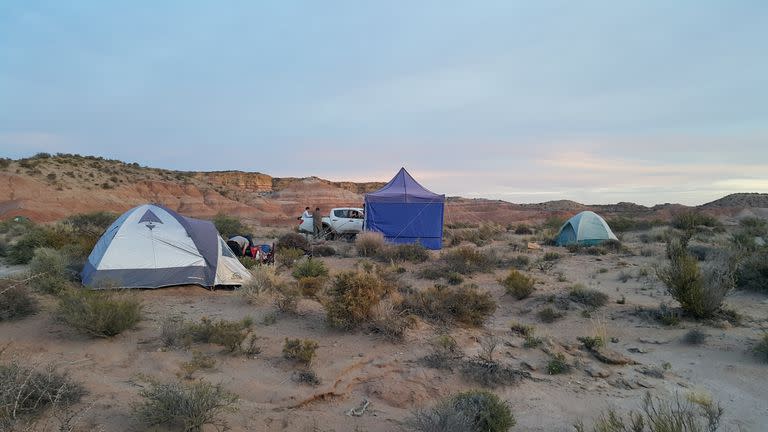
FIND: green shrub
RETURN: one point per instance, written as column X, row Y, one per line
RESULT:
column 26, row 392
column 90, row 224
column 693, row 414
column 690, row 220
column 700, row 294
column 96, row 313
column 302, row 351
column 412, row 252
column 588, row 297
column 433, row 273
column 310, row 268
column 752, row 272
column 445, row 352
column 592, row 342
column 248, row 262
column 454, row 278
column 185, row 407
column 229, row 334
column 761, row 348
column 467, row 260
column 521, row 262
column 15, row 300
column 288, row 256
column 557, row 365
column 48, row 271
column 352, row 297
column 369, row 244
column 463, row 304
column 695, row 337
column 522, row 329
column 532, row 341
column 471, row 411
column 551, row 256
column 518, row 285
column 549, row 315
column 229, row 226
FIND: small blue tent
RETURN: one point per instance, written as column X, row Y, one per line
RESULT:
column 586, row 228
column 405, row 212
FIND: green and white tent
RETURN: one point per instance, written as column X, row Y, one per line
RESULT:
column 586, row 228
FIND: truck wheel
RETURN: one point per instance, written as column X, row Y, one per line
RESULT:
column 328, row 234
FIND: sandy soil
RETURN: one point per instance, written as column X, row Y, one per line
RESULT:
column 357, row 366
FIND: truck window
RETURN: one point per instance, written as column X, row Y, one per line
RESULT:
column 340, row 213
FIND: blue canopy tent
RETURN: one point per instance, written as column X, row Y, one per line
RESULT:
column 405, row 212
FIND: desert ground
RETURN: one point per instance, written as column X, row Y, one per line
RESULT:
column 357, row 365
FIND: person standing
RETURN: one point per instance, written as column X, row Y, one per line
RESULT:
column 317, row 222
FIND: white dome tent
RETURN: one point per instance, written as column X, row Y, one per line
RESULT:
column 151, row 246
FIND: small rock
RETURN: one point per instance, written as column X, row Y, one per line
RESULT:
column 654, row 341
column 643, row 383
column 528, row 366
column 597, row 372
column 684, row 384
column 637, row 350
column 609, row 356
column 614, row 340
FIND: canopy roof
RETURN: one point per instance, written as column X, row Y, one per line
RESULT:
column 403, row 189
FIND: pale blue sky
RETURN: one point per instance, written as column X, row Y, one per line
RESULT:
column 647, row 101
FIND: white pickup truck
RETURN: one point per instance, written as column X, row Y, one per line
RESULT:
column 342, row 222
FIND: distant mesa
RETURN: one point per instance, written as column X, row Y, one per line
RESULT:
column 50, row 187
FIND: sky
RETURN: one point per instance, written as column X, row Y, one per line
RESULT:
column 595, row 101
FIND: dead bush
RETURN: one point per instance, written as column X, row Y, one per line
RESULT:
column 480, row 236
column 695, row 413
column 264, row 280
column 445, row 353
column 188, row 407
column 287, row 299
column 352, row 297
column 26, row 391
column 369, row 244
column 15, row 300
column 302, row 351
column 588, row 297
column 199, row 361
column 464, row 304
column 522, row 329
column 518, row 285
column 101, row 314
column 292, row 241
column 491, row 374
column 323, row 250
column 471, row 411
column 312, row 286
column 468, row 260
column 172, row 332
column 390, row 322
